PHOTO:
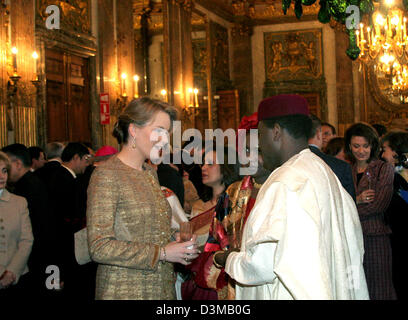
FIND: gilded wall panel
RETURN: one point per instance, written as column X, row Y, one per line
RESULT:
column 200, row 64
column 293, row 55
column 5, row 70
column 3, row 126
column 26, row 130
column 75, row 14
column 220, row 57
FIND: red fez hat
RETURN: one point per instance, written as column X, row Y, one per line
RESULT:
column 105, row 151
column 282, row 105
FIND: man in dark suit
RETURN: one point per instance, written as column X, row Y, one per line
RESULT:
column 341, row 168
column 26, row 184
column 53, row 152
column 169, row 176
column 66, row 210
column 38, row 158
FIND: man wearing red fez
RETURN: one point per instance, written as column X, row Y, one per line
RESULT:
column 303, row 238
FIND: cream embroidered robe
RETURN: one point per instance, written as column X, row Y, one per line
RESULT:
column 303, row 238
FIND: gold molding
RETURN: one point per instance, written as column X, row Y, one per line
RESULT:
column 382, row 101
column 241, row 29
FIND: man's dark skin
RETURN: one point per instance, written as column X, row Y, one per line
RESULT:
column 273, row 156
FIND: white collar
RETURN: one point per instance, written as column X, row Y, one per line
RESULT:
column 70, row 170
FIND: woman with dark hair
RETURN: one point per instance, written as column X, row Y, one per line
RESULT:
column 395, row 152
column 128, row 217
column 217, row 174
column 220, row 169
column 373, row 179
column 335, row 148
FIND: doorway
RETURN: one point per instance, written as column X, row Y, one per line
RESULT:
column 68, row 100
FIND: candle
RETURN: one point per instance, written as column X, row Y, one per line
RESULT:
column 358, row 39
column 35, row 57
column 136, row 86
column 190, row 98
column 124, row 76
column 14, row 51
column 369, row 36
column 196, row 97
column 362, row 33
column 164, row 95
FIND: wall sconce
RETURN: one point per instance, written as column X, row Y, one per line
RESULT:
column 136, row 86
column 192, row 107
column 15, row 77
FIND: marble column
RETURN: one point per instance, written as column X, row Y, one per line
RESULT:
column 178, row 53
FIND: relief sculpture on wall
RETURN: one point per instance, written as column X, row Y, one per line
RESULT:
column 293, row 55
column 75, row 14
column 294, row 64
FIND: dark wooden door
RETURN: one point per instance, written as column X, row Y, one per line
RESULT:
column 68, row 102
column 228, row 109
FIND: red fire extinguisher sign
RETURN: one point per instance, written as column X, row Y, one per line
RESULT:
column 104, row 103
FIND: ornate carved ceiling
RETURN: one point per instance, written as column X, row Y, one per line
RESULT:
column 254, row 12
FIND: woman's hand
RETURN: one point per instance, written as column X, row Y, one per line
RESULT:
column 179, row 252
column 7, row 278
column 366, row 196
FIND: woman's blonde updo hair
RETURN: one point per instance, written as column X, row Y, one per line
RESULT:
column 140, row 112
column 6, row 160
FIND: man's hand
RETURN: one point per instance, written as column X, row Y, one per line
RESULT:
column 220, row 257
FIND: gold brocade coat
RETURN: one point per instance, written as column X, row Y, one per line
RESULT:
column 128, row 220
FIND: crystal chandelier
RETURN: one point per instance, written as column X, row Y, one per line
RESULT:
column 382, row 39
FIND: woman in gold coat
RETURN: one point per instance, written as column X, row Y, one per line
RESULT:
column 128, row 218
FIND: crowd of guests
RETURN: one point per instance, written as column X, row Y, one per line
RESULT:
column 321, row 217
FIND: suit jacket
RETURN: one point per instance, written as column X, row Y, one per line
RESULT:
column 47, row 171
column 16, row 237
column 64, row 202
column 34, row 191
column 82, row 187
column 171, row 178
column 341, row 169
